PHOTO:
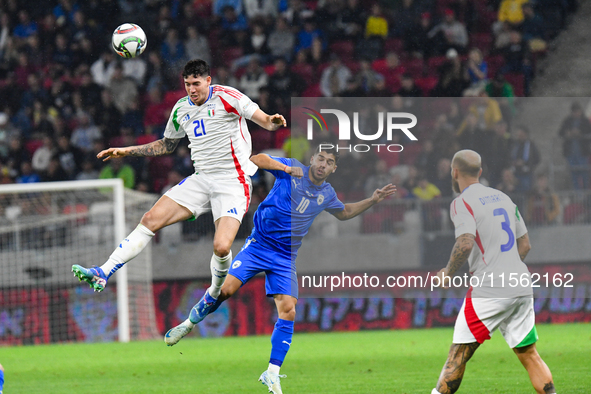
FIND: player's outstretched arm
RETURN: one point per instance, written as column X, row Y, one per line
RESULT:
column 269, row 122
column 459, row 254
column 160, row 147
column 353, row 209
column 523, row 246
column 265, row 162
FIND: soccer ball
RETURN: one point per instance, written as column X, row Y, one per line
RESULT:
column 129, row 40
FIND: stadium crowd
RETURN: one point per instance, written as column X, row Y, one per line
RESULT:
column 65, row 95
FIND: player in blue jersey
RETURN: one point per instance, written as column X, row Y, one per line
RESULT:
column 1, row 378
column 280, row 223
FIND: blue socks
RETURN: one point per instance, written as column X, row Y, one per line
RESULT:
column 280, row 341
column 1, row 380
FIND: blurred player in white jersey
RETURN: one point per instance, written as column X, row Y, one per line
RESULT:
column 214, row 120
column 488, row 218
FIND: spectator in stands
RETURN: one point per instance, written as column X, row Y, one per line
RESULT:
column 156, row 112
column 366, row 76
column 26, row 174
column 379, row 88
column 427, row 160
column 525, row 157
column 471, row 133
column 260, row 9
column 26, row 26
column 85, row 133
column 43, row 154
column 351, row 20
column 172, row 50
column 517, row 59
column 575, row 132
column 69, row 157
column 55, row 172
column 123, row 90
column 297, row 14
column 281, row 41
column 408, row 87
column 543, row 205
column 477, row 69
column 233, row 21
column 224, row 77
column 16, row 155
column 103, row 68
column 509, row 183
column 376, row 26
column 381, row 176
column 353, row 89
column 107, row 116
column 487, row 111
column 453, row 77
column 442, row 179
column 501, row 89
column 511, row 11
column 417, row 40
column 296, row 145
column 119, row 169
column 220, row 6
column 308, row 34
column 450, row 33
column 253, row 79
column 412, row 179
column 284, row 84
column 88, row 172
column 533, row 29
column 497, row 153
column 135, row 69
column 431, row 210
column 334, row 78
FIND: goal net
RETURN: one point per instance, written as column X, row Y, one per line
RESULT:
column 45, row 228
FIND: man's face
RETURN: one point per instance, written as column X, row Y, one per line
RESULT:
column 322, row 165
column 197, row 88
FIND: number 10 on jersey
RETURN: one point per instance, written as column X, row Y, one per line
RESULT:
column 199, row 129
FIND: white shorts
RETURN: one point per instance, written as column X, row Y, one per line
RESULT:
column 480, row 317
column 201, row 193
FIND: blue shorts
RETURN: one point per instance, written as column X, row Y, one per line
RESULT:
column 281, row 277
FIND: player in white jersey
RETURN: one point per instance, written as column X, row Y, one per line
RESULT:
column 488, row 218
column 214, row 119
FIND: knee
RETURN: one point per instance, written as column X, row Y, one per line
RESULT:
column 150, row 221
column 221, row 247
column 288, row 313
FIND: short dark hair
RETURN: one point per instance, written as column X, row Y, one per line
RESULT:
column 196, row 68
column 330, row 148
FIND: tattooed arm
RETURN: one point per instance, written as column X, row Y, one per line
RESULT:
column 460, row 252
column 156, row 148
column 523, row 246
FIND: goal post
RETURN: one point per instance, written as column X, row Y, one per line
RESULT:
column 45, row 228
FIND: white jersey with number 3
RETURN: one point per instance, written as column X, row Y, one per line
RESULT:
column 218, row 135
column 496, row 223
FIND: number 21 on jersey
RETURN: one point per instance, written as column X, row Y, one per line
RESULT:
column 199, row 129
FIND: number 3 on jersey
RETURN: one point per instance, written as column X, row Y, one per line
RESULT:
column 199, row 125
column 506, row 225
column 301, row 208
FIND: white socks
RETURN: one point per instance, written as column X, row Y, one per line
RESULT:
column 435, row 391
column 130, row 247
column 274, row 368
column 219, row 270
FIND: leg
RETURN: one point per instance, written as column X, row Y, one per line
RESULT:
column 539, row 373
column 280, row 341
column 226, row 229
column 453, row 370
column 165, row 212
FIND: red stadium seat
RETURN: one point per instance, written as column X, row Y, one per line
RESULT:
column 494, row 64
column 170, row 98
column 518, row 82
column 394, row 45
column 380, row 66
column 280, row 136
column 435, row 62
column 482, row 41
column 146, row 139
column 231, row 54
column 344, row 49
column 306, row 71
column 263, row 139
column 414, row 67
column 32, row 145
column 312, row 91
column 426, row 84
column 270, row 69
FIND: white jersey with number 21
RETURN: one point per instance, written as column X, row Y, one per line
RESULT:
column 496, row 223
column 218, row 135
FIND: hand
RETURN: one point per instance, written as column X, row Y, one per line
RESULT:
column 112, row 153
column 382, row 193
column 443, row 278
column 278, row 120
column 295, row 171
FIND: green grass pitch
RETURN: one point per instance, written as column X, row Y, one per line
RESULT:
column 407, row 361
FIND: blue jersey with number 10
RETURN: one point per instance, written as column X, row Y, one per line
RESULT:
column 285, row 216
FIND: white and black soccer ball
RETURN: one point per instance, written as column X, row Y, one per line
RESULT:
column 129, row 40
